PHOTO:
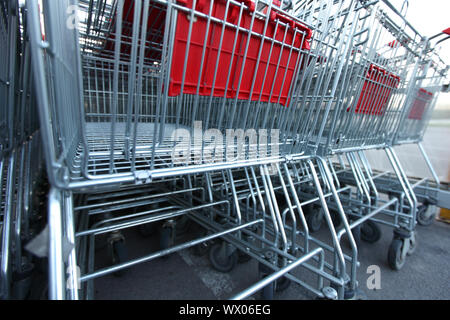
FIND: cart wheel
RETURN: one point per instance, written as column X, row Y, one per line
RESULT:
column 314, row 220
column 355, row 295
column 370, row 232
column 282, row 284
column 396, row 258
column 426, row 214
column 119, row 255
column 412, row 243
column 329, row 293
column 147, row 230
column 219, row 258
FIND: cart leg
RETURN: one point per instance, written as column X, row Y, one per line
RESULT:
column 430, row 166
column 406, row 186
column 72, row 268
column 6, row 232
column 55, row 254
column 400, row 244
column 352, row 284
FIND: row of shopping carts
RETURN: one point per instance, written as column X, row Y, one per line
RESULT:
column 22, row 184
column 248, row 119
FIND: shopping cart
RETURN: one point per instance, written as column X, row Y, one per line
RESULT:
column 415, row 101
column 373, row 99
column 20, row 158
column 118, row 107
column 134, row 98
column 418, row 109
column 131, row 98
column 414, row 125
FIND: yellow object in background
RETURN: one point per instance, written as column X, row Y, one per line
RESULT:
column 445, row 213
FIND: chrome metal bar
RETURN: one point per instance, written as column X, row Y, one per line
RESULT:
column 56, row 287
column 276, row 275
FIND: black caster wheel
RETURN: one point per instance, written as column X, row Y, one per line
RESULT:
column 119, row 255
column 221, row 258
column 396, row 254
column 355, row 295
column 315, row 219
column 426, row 214
column 147, row 230
column 370, row 232
column 329, row 293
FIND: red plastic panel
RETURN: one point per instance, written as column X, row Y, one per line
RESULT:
column 230, row 58
column 376, row 91
column 421, row 102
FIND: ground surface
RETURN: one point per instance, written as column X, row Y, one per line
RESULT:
column 426, row 274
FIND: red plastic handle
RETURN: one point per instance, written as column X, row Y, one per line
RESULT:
column 294, row 24
column 446, row 31
column 249, row 3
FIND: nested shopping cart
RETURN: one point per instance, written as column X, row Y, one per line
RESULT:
column 135, row 97
column 131, row 98
column 118, row 92
column 393, row 111
column 419, row 106
column 372, row 100
column 21, row 162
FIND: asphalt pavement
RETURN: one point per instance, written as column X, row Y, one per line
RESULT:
column 183, row 275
